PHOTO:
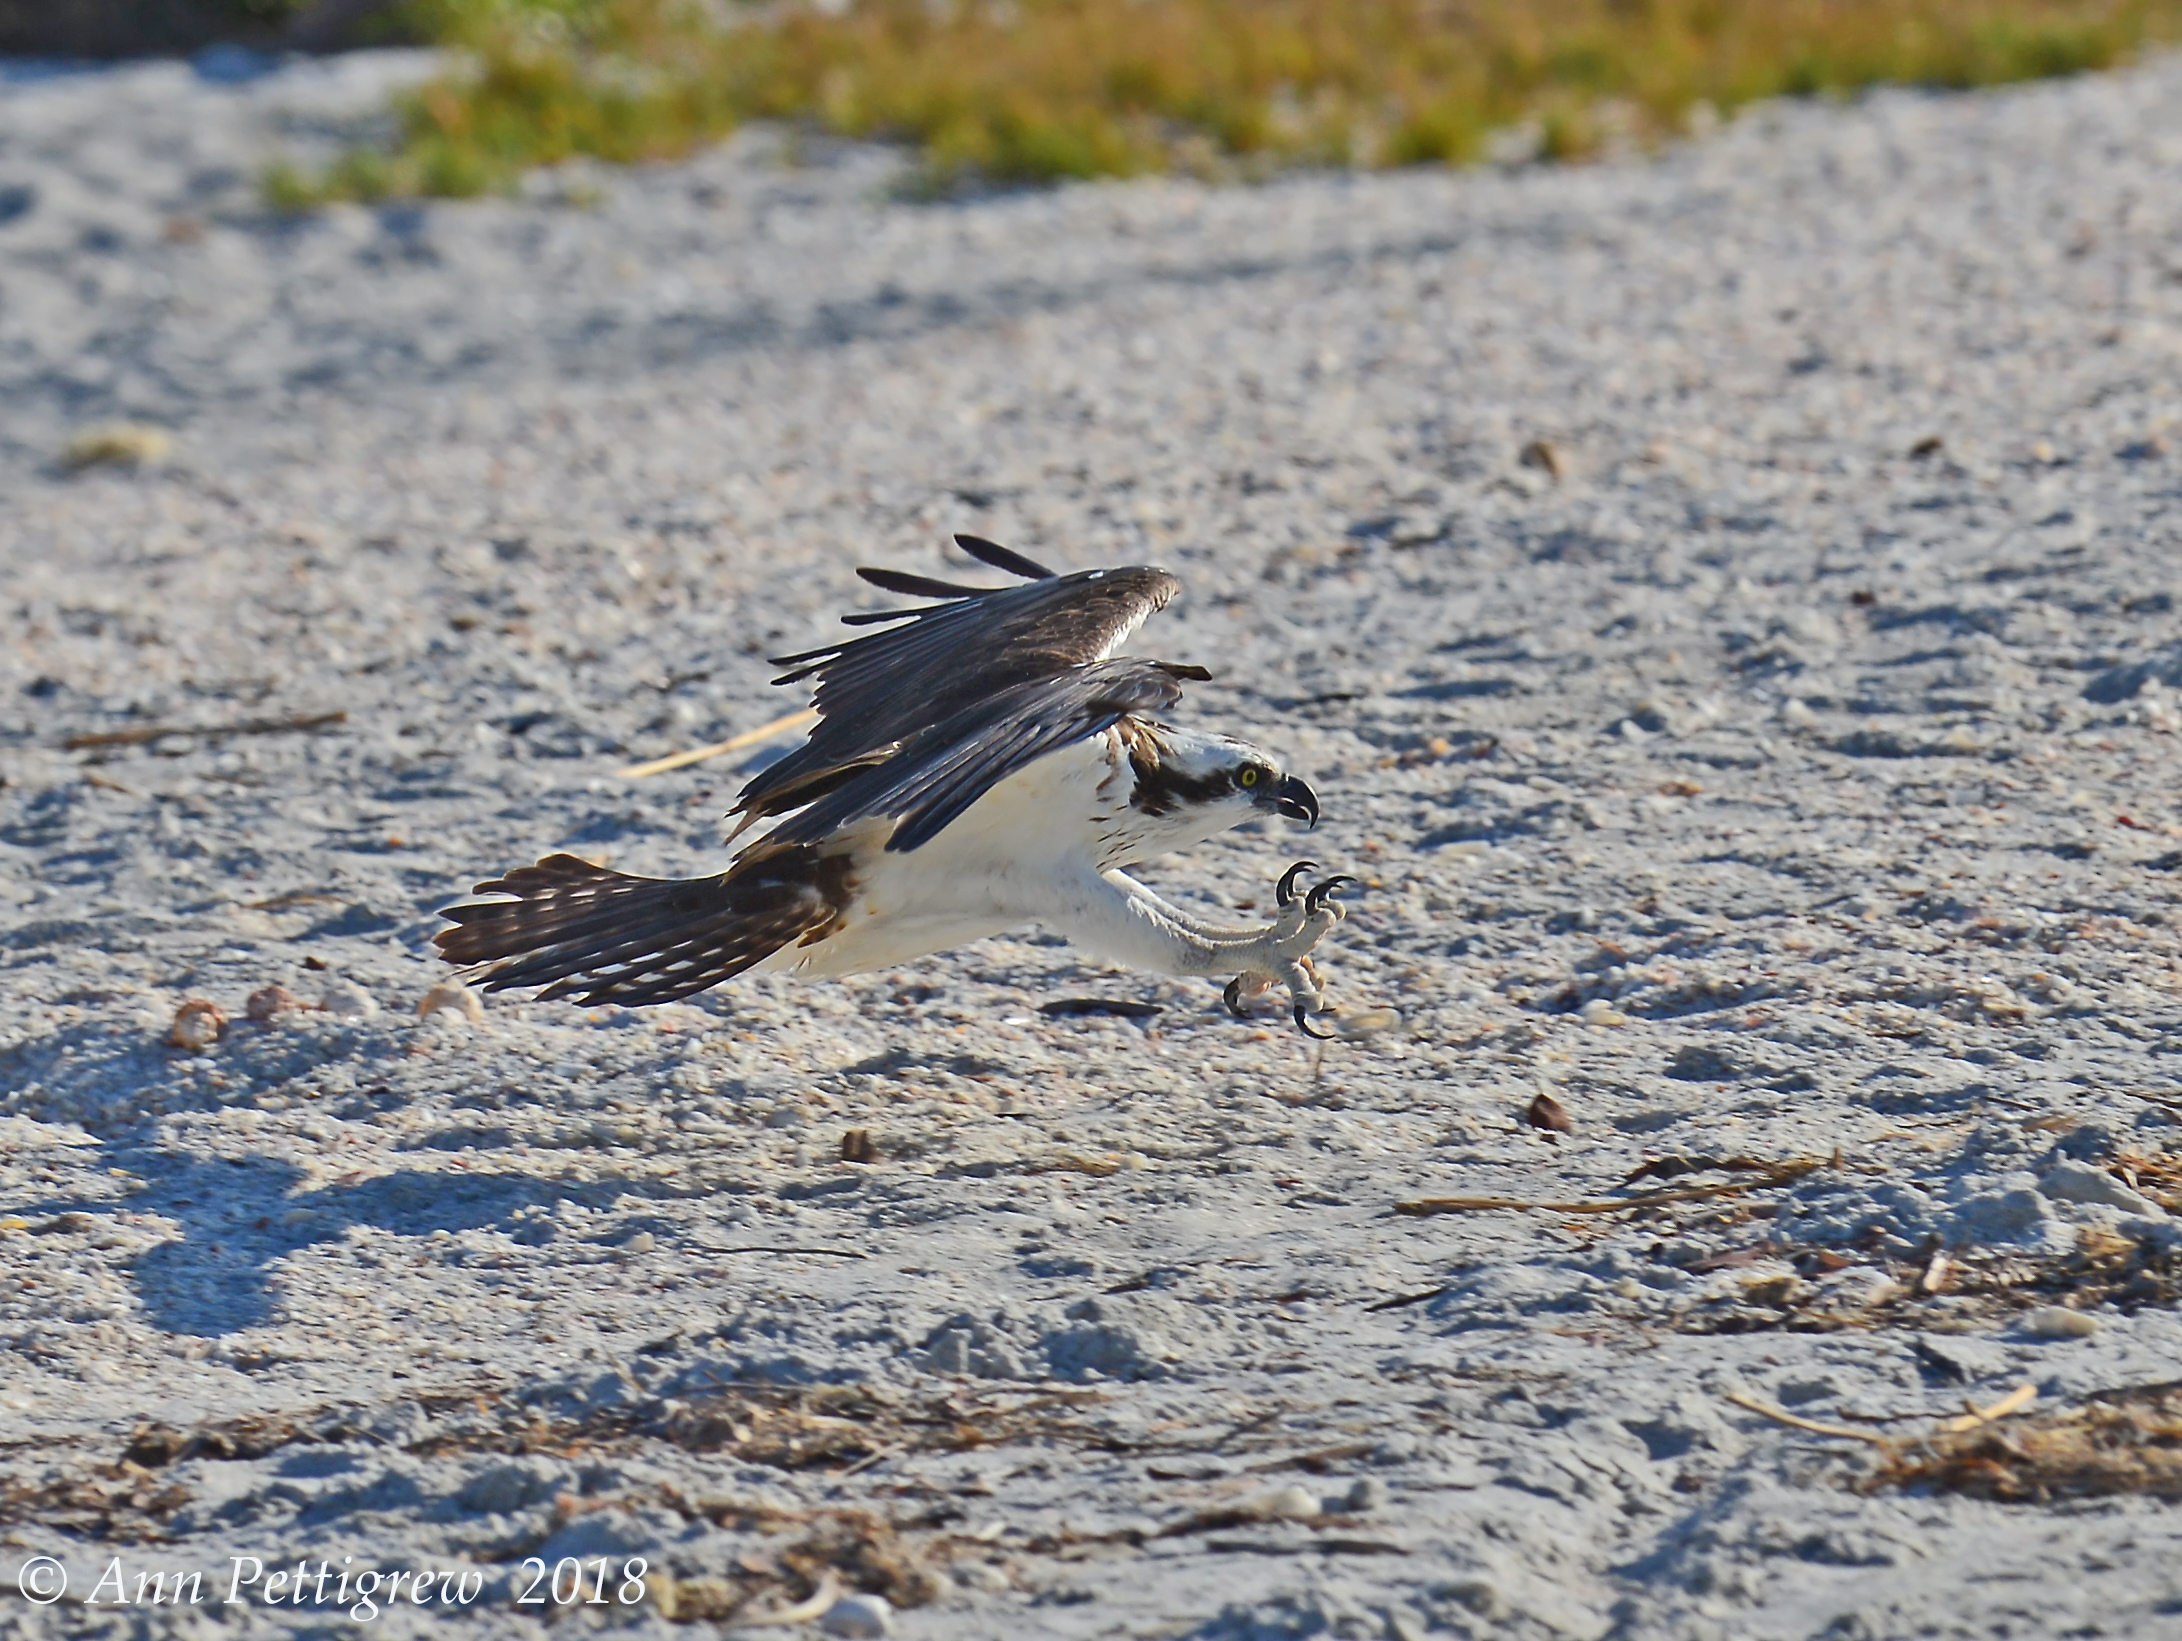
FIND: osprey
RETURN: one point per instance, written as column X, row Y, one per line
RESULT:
column 986, row 761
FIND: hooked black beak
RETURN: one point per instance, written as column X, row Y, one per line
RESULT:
column 1296, row 800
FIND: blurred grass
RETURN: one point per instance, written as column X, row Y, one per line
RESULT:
column 1040, row 90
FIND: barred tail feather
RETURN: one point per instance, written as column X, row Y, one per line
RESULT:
column 599, row 936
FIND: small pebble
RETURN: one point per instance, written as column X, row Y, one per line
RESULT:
column 346, row 1000
column 2059, row 1322
column 1365, row 1493
column 859, row 1616
column 1599, row 1012
column 1861, row 1288
column 119, row 444
column 1548, row 1113
column 198, row 1024
column 455, row 998
column 1546, row 457
column 1296, row 1503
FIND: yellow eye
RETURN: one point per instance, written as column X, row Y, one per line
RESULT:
column 1249, row 776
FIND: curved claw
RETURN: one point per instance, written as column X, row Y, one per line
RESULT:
column 1233, row 998
column 1320, row 892
column 1303, row 1024
column 1285, row 890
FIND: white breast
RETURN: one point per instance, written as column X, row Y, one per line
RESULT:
column 1027, row 851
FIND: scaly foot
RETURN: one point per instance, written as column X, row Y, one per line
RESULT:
column 1282, row 954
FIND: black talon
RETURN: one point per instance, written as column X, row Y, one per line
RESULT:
column 1233, row 998
column 1285, row 890
column 1303, row 1025
column 1321, row 891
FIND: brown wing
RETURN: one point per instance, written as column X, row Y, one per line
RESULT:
column 879, row 695
column 947, row 767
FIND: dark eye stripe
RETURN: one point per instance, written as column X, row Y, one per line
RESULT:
column 1160, row 789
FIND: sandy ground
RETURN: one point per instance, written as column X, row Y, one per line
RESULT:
column 1775, row 765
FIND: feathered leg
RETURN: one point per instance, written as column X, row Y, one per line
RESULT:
column 1122, row 920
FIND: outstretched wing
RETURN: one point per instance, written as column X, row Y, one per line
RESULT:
column 942, row 770
column 949, row 675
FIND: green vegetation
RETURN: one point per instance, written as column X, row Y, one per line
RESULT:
column 1035, row 90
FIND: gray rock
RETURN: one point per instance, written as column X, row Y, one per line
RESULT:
column 859, row 1618
column 2080, row 1182
column 509, row 1486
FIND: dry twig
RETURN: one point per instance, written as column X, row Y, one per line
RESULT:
column 1751, row 1404
column 141, row 734
column 1976, row 1418
column 2014, row 1402
column 734, row 743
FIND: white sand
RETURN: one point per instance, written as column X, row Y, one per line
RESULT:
column 1752, row 787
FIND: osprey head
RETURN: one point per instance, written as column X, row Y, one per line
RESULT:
column 1214, row 780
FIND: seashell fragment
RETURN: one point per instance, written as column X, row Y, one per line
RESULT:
column 456, row 998
column 268, row 1001
column 118, row 444
column 1366, row 1023
column 198, row 1024
column 1296, row 1503
column 2059, row 1322
column 349, row 1001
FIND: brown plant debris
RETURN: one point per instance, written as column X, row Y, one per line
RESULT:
column 1675, row 1167
column 1948, row 1293
column 2157, row 1175
column 788, row 1428
column 1770, row 1173
column 820, row 1551
column 117, row 1503
column 2118, row 1442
